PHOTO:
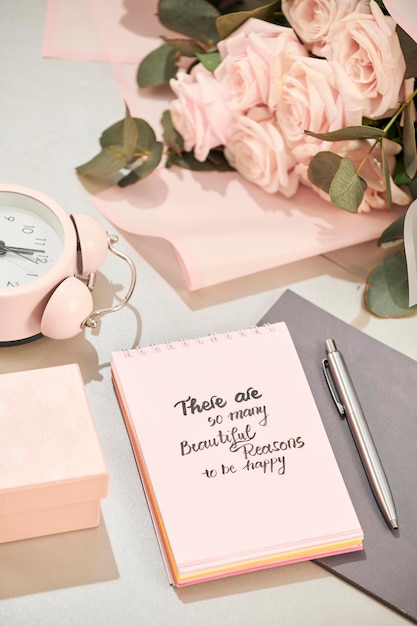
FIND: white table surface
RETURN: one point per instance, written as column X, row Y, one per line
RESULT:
column 51, row 115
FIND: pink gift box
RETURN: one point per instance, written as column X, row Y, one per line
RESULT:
column 52, row 469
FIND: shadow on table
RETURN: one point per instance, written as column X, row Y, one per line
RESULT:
column 45, row 352
column 54, row 562
column 246, row 583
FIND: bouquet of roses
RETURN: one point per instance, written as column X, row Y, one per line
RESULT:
column 294, row 92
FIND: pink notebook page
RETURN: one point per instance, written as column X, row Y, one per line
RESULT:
column 230, row 491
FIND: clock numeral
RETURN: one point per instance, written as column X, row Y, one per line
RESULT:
column 42, row 259
column 9, row 218
column 12, row 284
column 28, row 230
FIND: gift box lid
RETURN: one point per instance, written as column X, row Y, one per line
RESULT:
column 50, row 454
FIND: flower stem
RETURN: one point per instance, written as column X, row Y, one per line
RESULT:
column 398, row 112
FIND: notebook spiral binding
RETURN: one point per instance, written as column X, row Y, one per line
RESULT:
column 154, row 348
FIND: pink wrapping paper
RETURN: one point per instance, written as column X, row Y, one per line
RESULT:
column 221, row 226
column 404, row 13
column 119, row 31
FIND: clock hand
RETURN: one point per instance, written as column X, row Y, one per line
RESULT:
column 4, row 249
column 18, row 251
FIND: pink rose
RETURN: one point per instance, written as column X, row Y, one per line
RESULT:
column 245, row 72
column 199, row 113
column 311, row 19
column 256, row 149
column 315, row 95
column 367, row 47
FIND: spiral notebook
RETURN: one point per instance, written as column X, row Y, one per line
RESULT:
column 235, row 462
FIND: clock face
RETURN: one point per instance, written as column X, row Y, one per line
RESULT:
column 31, row 241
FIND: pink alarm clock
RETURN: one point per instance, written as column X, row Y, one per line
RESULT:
column 48, row 261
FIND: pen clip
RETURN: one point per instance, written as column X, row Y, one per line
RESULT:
column 329, row 380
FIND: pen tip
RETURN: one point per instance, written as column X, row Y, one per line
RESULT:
column 394, row 523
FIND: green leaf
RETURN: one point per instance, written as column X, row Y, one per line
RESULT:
column 409, row 49
column 158, row 66
column 146, row 138
column 107, row 162
column 409, row 141
column 413, row 188
column 130, row 135
column 121, row 143
column 386, row 291
column 349, row 132
column 210, row 60
column 323, row 168
column 225, row 6
column 229, row 22
column 184, row 47
column 215, row 161
column 393, row 234
column 172, row 138
column 115, row 134
column 195, row 19
column 112, row 136
column 400, row 175
column 387, row 176
column 347, row 188
column 145, row 168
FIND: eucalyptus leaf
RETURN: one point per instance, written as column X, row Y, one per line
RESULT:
column 323, row 168
column 158, row 66
column 409, row 141
column 210, row 60
column 130, row 135
column 413, row 188
column 393, row 234
column 195, row 19
column 215, row 161
column 105, row 163
column 409, row 49
column 112, row 136
column 349, row 132
column 225, row 6
column 387, row 176
column 123, row 142
column 347, row 188
column 115, row 135
column 146, row 138
column 145, row 168
column 185, row 47
column 386, row 291
column 400, row 176
column 229, row 22
column 171, row 136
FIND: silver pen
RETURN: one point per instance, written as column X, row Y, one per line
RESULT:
column 348, row 404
